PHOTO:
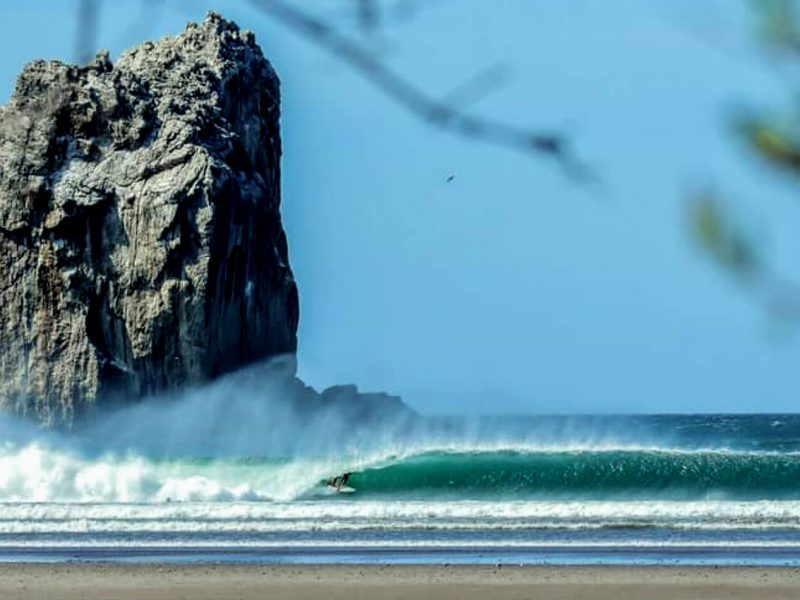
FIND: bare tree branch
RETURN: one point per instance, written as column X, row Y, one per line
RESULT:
column 86, row 33
column 435, row 112
column 368, row 14
column 407, row 10
column 479, row 85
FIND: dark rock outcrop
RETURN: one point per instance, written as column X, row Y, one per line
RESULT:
column 141, row 245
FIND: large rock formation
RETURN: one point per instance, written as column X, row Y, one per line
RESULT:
column 141, row 245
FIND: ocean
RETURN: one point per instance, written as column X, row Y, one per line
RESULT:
column 659, row 489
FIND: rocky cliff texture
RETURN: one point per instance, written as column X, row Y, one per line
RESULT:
column 141, row 246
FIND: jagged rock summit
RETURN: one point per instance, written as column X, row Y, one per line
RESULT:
column 141, row 244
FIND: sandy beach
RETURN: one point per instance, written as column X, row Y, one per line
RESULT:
column 201, row 582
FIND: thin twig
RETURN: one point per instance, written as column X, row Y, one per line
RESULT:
column 368, row 14
column 86, row 37
column 431, row 110
column 478, row 86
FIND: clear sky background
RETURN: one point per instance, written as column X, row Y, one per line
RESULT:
column 511, row 289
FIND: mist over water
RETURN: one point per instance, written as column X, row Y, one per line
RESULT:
column 242, row 439
column 238, row 464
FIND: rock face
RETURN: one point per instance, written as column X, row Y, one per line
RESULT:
column 141, row 245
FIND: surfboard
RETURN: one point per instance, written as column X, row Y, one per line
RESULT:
column 342, row 490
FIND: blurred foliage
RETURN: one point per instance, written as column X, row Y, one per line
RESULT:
column 774, row 137
column 723, row 238
column 779, row 28
column 778, row 144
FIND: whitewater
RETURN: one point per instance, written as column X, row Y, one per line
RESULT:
column 651, row 489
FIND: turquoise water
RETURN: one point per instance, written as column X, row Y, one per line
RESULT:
column 718, row 489
column 603, row 474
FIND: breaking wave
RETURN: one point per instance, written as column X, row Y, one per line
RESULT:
column 586, row 474
column 39, row 473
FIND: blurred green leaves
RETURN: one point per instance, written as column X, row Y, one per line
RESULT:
column 779, row 28
column 723, row 238
column 774, row 137
column 778, row 143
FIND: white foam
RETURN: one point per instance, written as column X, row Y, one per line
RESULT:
column 38, row 473
column 43, row 472
column 390, row 516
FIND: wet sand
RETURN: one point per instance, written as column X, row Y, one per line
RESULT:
column 339, row 582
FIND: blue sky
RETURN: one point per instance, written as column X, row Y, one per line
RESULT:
column 511, row 289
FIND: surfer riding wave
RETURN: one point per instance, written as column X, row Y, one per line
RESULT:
column 339, row 482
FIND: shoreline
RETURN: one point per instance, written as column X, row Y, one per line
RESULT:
column 530, row 556
column 95, row 581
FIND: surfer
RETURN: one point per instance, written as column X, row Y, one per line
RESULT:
column 339, row 482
